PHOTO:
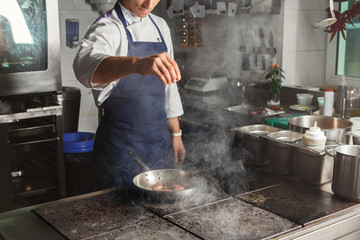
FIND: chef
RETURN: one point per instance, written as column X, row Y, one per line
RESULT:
column 126, row 57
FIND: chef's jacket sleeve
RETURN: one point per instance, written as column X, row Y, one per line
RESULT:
column 173, row 105
column 102, row 40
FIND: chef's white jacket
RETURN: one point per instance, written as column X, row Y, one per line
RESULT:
column 107, row 37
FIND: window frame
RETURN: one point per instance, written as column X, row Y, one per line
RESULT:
column 331, row 63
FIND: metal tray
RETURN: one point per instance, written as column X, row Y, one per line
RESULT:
column 280, row 151
column 315, row 167
column 253, row 142
column 256, row 130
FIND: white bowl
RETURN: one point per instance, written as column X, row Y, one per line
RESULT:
column 304, row 99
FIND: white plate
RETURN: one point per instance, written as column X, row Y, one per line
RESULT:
column 302, row 108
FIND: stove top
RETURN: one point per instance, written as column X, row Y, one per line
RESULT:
column 297, row 202
column 238, row 182
column 155, row 229
column 93, row 216
column 265, row 208
column 231, row 219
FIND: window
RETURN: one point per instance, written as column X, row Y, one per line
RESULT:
column 344, row 55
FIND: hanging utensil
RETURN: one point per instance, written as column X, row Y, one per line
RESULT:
column 329, row 21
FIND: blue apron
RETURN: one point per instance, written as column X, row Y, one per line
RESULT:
column 134, row 120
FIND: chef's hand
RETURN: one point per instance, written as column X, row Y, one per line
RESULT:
column 162, row 65
column 179, row 150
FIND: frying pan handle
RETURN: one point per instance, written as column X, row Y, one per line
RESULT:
column 138, row 161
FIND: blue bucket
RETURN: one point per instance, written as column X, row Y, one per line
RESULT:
column 78, row 142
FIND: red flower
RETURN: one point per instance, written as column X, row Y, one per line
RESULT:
column 274, row 66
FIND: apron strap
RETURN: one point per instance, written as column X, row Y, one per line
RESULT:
column 161, row 36
column 122, row 19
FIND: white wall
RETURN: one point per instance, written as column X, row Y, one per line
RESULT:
column 82, row 10
column 304, row 48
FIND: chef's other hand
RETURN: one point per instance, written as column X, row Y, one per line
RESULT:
column 179, row 150
column 162, row 65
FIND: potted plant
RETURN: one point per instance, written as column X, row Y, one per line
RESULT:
column 273, row 83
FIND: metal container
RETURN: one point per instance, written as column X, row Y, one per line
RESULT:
column 280, row 151
column 314, row 166
column 253, row 142
column 353, row 138
column 346, row 176
column 334, row 128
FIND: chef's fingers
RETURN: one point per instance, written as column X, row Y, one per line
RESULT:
column 176, row 156
column 165, row 68
column 181, row 159
column 170, row 70
column 171, row 65
column 178, row 73
column 180, row 155
column 162, row 65
column 160, row 75
column 175, row 67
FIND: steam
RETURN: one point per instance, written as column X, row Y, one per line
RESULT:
column 230, row 219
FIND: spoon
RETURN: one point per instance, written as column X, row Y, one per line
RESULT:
column 329, row 21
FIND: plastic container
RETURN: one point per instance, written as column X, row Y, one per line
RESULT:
column 304, row 99
column 78, row 147
column 320, row 102
column 328, row 102
column 314, row 137
column 281, row 122
column 78, row 142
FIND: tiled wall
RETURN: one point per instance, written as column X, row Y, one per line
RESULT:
column 304, row 48
column 222, row 49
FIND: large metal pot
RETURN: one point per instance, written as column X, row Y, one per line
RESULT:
column 169, row 177
column 346, row 175
column 334, row 128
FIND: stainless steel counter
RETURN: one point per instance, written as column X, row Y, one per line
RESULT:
column 254, row 204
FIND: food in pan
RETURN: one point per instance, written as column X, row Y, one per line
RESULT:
column 177, row 187
column 161, row 187
column 157, row 186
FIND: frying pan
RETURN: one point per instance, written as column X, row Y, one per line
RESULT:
column 168, row 177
